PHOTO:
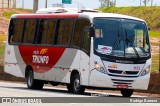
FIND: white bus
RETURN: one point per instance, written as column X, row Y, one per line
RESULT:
column 81, row 50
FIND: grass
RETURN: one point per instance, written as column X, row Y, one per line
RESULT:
column 2, row 37
column 155, row 63
column 30, row 10
column 2, row 46
column 8, row 14
column 155, row 57
column 2, row 49
column 154, row 34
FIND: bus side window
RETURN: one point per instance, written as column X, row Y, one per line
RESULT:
column 86, row 41
column 11, row 29
column 51, row 31
column 78, row 32
column 46, row 31
column 64, row 32
column 15, row 30
column 40, row 32
column 29, row 31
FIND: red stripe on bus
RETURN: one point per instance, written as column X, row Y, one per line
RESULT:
column 48, row 16
column 42, row 59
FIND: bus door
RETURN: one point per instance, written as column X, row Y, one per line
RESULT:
column 85, row 56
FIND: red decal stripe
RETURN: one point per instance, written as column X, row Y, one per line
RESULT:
column 42, row 59
column 48, row 16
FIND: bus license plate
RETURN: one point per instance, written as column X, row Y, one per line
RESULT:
column 122, row 86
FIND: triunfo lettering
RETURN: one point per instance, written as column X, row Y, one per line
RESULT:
column 40, row 59
column 38, row 56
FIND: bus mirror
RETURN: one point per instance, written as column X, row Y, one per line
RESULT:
column 149, row 28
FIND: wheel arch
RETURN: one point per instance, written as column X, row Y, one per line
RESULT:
column 73, row 73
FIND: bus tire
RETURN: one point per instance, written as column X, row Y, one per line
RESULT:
column 75, row 86
column 127, row 92
column 33, row 83
column 69, row 88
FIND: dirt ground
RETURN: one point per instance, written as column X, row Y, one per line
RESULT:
column 154, row 48
column 5, row 21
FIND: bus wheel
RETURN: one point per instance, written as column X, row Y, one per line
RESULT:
column 69, row 87
column 127, row 92
column 75, row 85
column 32, row 83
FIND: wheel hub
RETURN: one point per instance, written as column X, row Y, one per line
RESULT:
column 76, row 84
column 30, row 78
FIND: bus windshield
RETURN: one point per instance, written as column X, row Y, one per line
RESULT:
column 121, row 37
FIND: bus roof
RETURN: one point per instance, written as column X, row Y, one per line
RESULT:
column 108, row 15
column 88, row 15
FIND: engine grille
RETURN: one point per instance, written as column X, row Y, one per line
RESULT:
column 121, row 73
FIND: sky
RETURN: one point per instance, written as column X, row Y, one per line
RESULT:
column 82, row 3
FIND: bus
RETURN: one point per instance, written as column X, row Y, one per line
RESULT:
column 80, row 50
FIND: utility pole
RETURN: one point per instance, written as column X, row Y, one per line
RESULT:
column 115, row 3
column 8, row 3
column 151, row 2
column 2, row 3
column 46, row 4
column 35, row 5
column 14, row 3
column 108, row 3
column 145, row 2
column 23, row 4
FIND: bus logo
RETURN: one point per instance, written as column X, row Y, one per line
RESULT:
column 124, row 73
column 43, row 51
column 39, row 57
column 104, row 49
column 113, row 66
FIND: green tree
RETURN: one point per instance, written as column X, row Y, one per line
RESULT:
column 147, row 1
column 104, row 3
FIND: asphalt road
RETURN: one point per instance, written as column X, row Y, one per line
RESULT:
column 18, row 94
